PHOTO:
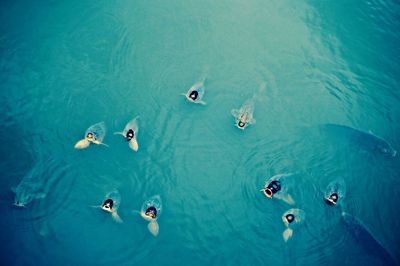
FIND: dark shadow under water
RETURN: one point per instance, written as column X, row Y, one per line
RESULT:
column 366, row 239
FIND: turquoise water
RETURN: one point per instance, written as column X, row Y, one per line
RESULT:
column 68, row 65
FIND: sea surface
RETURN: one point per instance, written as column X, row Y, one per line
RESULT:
column 66, row 65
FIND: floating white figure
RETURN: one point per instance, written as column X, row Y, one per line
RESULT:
column 277, row 187
column 130, row 133
column 111, row 203
column 244, row 115
column 33, row 184
column 195, row 93
column 29, row 189
column 94, row 134
column 291, row 219
column 335, row 191
column 151, row 211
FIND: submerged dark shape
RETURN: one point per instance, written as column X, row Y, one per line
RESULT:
column 365, row 140
column 30, row 187
column 365, row 237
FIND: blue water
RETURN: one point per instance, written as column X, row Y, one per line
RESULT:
column 66, row 65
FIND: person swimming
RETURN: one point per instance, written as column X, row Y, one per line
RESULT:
column 291, row 219
column 244, row 116
column 335, row 192
column 130, row 134
column 108, row 205
column 272, row 188
column 277, row 187
column 196, row 93
column 151, row 212
column 94, row 134
column 332, row 199
column 193, row 95
column 111, row 203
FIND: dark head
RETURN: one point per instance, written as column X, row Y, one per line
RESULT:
column 151, row 212
column 130, row 134
column 89, row 135
column 193, row 95
column 108, row 204
column 333, row 198
column 289, row 218
column 241, row 124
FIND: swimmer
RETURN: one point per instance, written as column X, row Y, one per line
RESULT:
column 151, row 211
column 291, row 219
column 94, row 134
column 276, row 187
column 335, row 191
column 244, row 115
column 130, row 133
column 272, row 188
column 111, row 203
column 196, row 93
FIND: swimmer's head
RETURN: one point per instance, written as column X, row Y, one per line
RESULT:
column 289, row 218
column 333, row 198
column 241, row 124
column 130, row 134
column 151, row 212
column 90, row 135
column 193, row 95
column 268, row 192
column 107, row 205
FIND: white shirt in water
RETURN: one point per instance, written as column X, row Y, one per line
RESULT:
column 244, row 114
column 98, row 131
column 154, row 201
column 134, row 125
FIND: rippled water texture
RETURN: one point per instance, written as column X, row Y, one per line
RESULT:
column 66, row 65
